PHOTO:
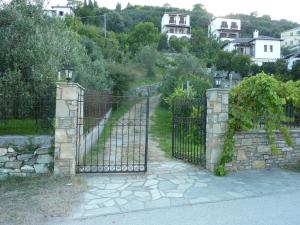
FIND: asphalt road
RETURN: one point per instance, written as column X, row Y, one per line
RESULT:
column 275, row 209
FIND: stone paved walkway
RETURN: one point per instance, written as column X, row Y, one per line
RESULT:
column 171, row 183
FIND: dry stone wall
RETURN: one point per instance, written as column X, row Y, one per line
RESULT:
column 252, row 151
column 25, row 155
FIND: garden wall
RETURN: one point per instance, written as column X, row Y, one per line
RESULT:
column 253, row 152
column 25, row 155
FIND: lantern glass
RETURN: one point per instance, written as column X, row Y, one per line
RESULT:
column 218, row 80
column 69, row 72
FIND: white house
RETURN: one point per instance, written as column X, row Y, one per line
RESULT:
column 225, row 29
column 292, row 59
column 260, row 48
column 176, row 25
column 60, row 11
column 291, row 38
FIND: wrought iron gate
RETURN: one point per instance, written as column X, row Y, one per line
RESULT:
column 113, row 134
column 189, row 129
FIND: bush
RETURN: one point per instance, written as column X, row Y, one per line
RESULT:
column 178, row 44
column 148, row 57
column 257, row 99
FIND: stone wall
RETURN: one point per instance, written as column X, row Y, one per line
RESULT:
column 69, row 113
column 216, row 123
column 25, row 155
column 253, row 152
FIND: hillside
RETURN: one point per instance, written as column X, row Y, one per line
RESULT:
column 124, row 20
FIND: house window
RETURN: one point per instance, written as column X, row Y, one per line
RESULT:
column 291, row 42
column 61, row 13
column 242, row 50
column 271, row 48
column 232, row 35
column 266, row 48
column 291, row 34
column 234, row 25
column 181, row 31
column 224, row 24
column 172, row 19
column 223, row 35
column 172, row 31
column 182, row 20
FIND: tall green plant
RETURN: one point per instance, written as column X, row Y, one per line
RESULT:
column 260, row 98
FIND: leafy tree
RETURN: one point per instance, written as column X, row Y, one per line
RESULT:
column 233, row 61
column 118, row 7
column 241, row 64
column 200, row 18
column 296, row 71
column 35, row 47
column 187, row 63
column 148, row 57
column 278, row 69
column 90, row 4
column 163, row 42
column 143, row 34
column 178, row 44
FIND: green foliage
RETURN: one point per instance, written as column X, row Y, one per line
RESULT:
column 260, row 98
column 161, row 129
column 233, row 61
column 35, row 47
column 178, row 44
column 148, row 57
column 163, row 42
column 187, row 63
column 264, row 24
column 143, row 34
column 121, row 77
column 296, row 71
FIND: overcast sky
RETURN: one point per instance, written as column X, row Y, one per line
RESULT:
column 277, row 9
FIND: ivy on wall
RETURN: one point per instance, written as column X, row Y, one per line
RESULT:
column 258, row 99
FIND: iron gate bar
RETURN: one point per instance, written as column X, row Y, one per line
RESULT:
column 118, row 147
column 189, row 129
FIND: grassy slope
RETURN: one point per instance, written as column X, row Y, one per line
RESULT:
column 21, row 127
column 162, row 129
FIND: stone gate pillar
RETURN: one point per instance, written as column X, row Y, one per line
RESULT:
column 69, row 110
column 216, row 124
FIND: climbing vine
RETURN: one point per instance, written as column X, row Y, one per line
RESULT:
column 258, row 99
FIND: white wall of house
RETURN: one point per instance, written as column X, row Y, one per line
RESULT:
column 266, row 50
column 224, row 26
column 291, row 37
column 60, row 11
column 166, row 19
column 176, row 24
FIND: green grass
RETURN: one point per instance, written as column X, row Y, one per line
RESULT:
column 22, row 127
column 161, row 129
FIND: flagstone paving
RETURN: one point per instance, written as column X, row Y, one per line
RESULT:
column 175, row 183
column 171, row 183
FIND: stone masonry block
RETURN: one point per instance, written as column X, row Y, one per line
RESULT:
column 241, row 155
column 263, row 149
column 61, row 135
column 62, row 109
column 246, row 141
column 258, row 164
column 67, row 151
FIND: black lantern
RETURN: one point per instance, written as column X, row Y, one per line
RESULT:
column 69, row 72
column 218, row 80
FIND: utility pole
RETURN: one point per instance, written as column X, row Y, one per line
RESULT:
column 105, row 25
